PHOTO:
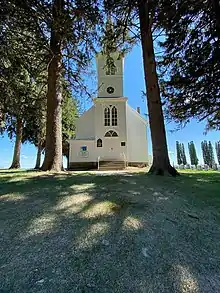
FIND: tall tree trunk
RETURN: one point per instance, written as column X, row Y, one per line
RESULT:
column 161, row 163
column 53, row 148
column 38, row 160
column 17, row 148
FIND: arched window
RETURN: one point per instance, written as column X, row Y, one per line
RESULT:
column 111, row 133
column 114, row 116
column 99, row 143
column 107, row 116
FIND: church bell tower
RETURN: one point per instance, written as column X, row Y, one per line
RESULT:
column 110, row 75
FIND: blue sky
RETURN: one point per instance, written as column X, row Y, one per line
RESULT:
column 133, row 88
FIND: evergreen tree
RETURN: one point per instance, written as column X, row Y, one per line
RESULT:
column 35, row 129
column 69, row 115
column 191, row 60
column 183, row 154
column 211, row 155
column 18, row 104
column 179, row 154
column 22, row 59
column 192, row 153
column 53, row 148
column 205, row 152
column 217, row 148
column 73, row 27
column 71, row 30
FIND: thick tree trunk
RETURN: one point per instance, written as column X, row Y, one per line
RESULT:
column 53, row 148
column 17, row 148
column 38, row 159
column 161, row 163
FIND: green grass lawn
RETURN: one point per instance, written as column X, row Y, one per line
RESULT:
column 93, row 232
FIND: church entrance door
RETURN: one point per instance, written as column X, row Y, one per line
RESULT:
column 112, row 149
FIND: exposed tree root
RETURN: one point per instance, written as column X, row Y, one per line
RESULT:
column 164, row 171
column 15, row 165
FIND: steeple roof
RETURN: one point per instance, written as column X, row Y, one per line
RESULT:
column 109, row 41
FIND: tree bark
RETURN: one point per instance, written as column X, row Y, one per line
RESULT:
column 38, row 160
column 17, row 148
column 161, row 163
column 53, row 147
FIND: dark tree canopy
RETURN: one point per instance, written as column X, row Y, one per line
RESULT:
column 190, row 66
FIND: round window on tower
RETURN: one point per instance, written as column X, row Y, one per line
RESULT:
column 110, row 90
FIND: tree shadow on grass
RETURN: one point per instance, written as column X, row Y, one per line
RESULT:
column 118, row 233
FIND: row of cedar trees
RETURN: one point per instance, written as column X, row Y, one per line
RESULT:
column 207, row 152
column 67, row 32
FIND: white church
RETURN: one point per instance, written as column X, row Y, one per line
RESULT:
column 111, row 134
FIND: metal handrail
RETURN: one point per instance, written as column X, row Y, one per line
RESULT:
column 98, row 160
column 125, row 160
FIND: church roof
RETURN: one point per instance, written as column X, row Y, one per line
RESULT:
column 137, row 114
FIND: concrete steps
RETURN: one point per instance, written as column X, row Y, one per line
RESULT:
column 111, row 165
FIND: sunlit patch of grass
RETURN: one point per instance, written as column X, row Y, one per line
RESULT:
column 82, row 187
column 131, row 223
column 13, row 197
column 105, row 208
column 73, row 203
column 42, row 224
column 91, row 236
column 185, row 281
column 202, row 172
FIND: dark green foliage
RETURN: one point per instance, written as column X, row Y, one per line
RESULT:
column 208, row 154
column 69, row 115
column 178, row 153
column 211, row 155
column 23, row 58
column 192, row 153
column 181, row 155
column 191, row 85
column 36, row 125
column 205, row 152
column 217, row 148
column 25, row 28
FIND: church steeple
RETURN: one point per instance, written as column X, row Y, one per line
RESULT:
column 110, row 75
column 110, row 65
column 109, row 43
